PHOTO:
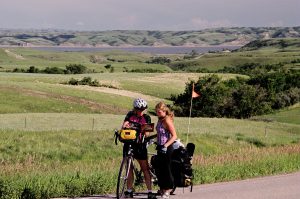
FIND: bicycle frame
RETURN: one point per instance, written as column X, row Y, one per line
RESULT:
column 126, row 165
column 125, row 169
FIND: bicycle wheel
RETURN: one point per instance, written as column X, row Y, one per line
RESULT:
column 122, row 177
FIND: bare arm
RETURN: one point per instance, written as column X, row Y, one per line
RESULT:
column 170, row 126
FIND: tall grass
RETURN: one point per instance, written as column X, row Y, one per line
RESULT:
column 49, row 164
column 52, row 164
column 268, row 131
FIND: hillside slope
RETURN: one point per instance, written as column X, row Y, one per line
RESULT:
column 207, row 37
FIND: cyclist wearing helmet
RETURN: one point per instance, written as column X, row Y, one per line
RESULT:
column 137, row 115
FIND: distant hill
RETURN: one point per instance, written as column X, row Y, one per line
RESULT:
column 218, row 36
column 278, row 43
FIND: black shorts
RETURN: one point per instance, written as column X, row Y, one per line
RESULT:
column 139, row 150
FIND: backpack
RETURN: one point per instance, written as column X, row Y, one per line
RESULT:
column 181, row 166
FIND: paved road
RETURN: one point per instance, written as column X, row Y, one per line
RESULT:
column 271, row 187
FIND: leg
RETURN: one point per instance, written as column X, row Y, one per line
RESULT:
column 145, row 168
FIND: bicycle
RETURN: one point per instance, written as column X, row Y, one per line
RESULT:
column 129, row 136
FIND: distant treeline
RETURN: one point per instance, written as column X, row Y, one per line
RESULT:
column 69, row 69
column 240, row 97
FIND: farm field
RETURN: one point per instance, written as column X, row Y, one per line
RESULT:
column 50, row 89
column 56, row 140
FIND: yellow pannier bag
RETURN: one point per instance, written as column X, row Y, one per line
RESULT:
column 127, row 135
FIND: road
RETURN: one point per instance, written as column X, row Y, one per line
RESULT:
column 272, row 187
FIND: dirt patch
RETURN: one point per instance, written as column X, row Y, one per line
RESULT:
column 116, row 92
column 8, row 52
column 94, row 106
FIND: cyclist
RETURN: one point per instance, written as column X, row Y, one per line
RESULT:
column 138, row 115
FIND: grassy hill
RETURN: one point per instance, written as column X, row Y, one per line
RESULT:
column 262, row 52
column 22, row 92
column 290, row 115
column 217, row 36
column 11, row 58
column 287, row 44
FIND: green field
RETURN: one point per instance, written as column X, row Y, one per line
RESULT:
column 56, row 140
column 270, row 53
column 54, row 163
column 48, row 89
column 11, row 58
column 290, row 115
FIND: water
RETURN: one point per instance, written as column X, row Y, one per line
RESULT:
column 152, row 50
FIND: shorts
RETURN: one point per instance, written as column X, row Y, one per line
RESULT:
column 139, row 150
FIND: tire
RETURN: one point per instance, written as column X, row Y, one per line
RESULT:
column 122, row 177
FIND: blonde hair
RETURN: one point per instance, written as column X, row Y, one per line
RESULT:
column 165, row 107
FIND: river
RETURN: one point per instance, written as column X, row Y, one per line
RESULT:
column 150, row 49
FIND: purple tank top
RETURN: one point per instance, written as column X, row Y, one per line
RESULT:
column 163, row 134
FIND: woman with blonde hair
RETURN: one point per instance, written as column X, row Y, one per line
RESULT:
column 166, row 135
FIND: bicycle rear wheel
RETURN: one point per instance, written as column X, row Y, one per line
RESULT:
column 122, row 177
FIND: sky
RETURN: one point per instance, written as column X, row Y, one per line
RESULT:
column 101, row 15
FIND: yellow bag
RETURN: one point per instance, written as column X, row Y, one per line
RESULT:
column 127, row 135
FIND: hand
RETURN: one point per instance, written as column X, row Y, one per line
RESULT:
column 162, row 149
column 126, row 125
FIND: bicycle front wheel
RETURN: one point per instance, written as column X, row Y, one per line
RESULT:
column 123, row 177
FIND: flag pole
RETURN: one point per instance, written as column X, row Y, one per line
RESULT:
column 194, row 95
column 187, row 135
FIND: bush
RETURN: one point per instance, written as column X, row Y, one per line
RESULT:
column 32, row 69
column 159, row 60
column 75, row 69
column 146, row 70
column 53, row 70
column 85, row 81
column 107, row 66
column 19, row 70
column 73, row 81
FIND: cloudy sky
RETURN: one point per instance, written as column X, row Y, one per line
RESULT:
column 147, row 14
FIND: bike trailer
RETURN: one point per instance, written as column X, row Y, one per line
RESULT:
column 181, row 166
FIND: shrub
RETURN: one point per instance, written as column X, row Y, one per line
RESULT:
column 85, row 81
column 32, row 69
column 75, row 69
column 107, row 66
column 53, row 70
column 159, row 60
column 73, row 81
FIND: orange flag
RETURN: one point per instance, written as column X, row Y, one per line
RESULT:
column 194, row 94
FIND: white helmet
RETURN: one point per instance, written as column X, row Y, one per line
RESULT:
column 140, row 103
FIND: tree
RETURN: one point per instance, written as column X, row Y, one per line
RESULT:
column 75, row 69
column 32, row 69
